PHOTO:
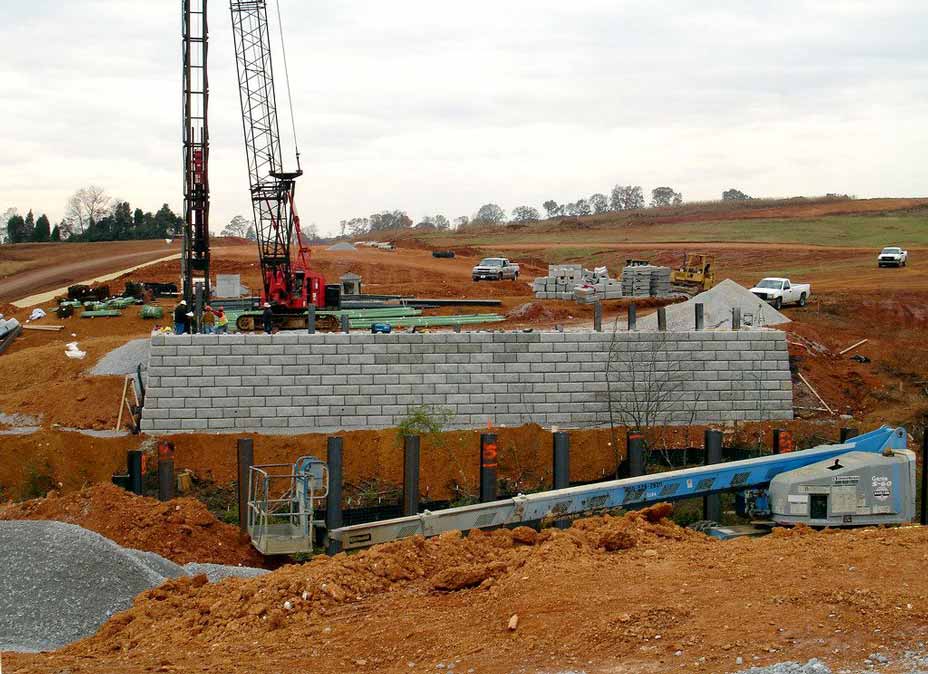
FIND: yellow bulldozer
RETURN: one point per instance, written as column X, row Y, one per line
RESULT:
column 696, row 275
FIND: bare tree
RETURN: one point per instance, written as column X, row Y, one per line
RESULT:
column 646, row 388
column 238, row 227
column 665, row 196
column 85, row 207
column 490, row 214
column 523, row 214
column 599, row 203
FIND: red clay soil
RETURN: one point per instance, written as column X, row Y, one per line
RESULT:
column 69, row 461
column 182, row 530
column 635, row 594
column 31, row 268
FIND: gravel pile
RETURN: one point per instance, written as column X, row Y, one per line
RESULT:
column 811, row 667
column 342, row 246
column 717, row 305
column 60, row 582
column 125, row 359
column 217, row 572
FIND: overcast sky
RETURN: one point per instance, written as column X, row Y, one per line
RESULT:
column 438, row 107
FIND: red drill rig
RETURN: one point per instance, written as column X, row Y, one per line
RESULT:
column 289, row 286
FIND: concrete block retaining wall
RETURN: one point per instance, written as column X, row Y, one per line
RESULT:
column 299, row 383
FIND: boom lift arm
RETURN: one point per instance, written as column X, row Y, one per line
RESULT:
column 883, row 449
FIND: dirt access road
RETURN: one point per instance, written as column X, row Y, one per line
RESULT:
column 28, row 269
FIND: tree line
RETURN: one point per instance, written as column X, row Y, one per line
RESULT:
column 92, row 215
column 620, row 198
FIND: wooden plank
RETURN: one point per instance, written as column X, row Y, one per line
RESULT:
column 122, row 401
column 45, row 328
column 815, row 393
column 853, row 346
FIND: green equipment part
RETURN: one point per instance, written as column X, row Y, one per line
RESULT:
column 151, row 312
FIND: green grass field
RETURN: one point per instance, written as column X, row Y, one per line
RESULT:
column 865, row 231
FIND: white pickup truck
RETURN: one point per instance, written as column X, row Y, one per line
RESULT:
column 892, row 256
column 495, row 269
column 780, row 291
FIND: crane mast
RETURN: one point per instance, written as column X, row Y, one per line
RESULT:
column 196, row 257
column 287, row 284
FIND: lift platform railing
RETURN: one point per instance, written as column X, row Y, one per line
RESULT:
column 669, row 486
column 282, row 501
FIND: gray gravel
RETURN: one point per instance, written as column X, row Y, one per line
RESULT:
column 811, row 667
column 59, row 583
column 217, row 572
column 163, row 567
column 125, row 359
column 717, row 305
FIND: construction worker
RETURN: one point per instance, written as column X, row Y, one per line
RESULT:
column 208, row 320
column 268, row 317
column 181, row 318
column 222, row 321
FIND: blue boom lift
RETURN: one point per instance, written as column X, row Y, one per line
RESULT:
column 868, row 480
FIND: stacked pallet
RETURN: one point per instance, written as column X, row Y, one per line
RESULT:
column 660, row 281
column 646, row 281
column 601, row 289
column 573, row 282
column 560, row 282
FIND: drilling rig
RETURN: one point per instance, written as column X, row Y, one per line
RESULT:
column 289, row 286
column 195, row 258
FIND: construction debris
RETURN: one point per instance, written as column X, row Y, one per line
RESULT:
column 717, row 305
column 72, row 351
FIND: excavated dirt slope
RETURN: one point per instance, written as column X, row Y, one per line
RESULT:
column 182, row 530
column 632, row 594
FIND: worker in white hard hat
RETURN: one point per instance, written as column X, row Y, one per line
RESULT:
column 181, row 318
column 268, row 317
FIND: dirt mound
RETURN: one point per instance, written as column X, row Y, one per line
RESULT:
column 182, row 530
column 666, row 600
column 297, row 597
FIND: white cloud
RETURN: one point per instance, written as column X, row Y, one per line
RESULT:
column 439, row 107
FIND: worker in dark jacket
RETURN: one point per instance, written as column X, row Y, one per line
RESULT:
column 268, row 317
column 181, row 318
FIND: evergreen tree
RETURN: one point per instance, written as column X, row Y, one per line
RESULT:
column 15, row 227
column 56, row 234
column 29, row 227
column 42, row 230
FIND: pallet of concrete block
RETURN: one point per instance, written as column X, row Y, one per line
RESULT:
column 660, row 281
column 646, row 281
column 566, row 274
column 605, row 289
